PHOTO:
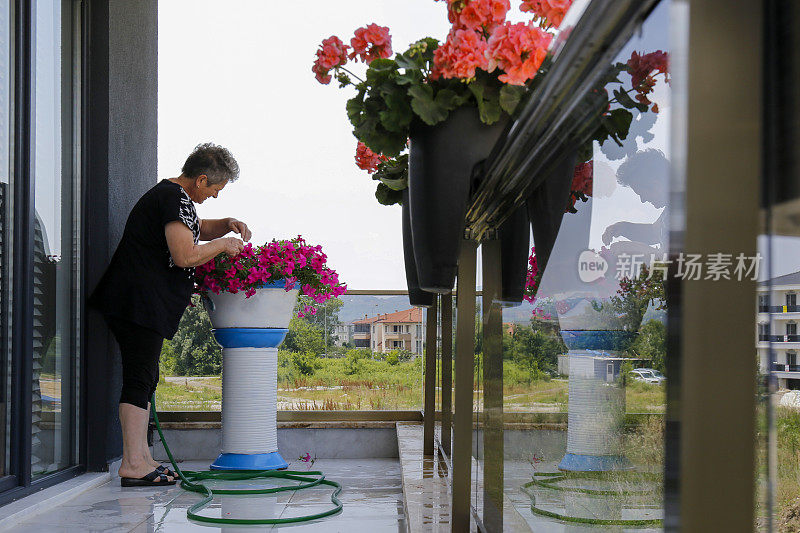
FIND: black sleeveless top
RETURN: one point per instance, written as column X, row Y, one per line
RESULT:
column 142, row 284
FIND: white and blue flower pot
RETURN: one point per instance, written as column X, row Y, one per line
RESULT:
column 249, row 331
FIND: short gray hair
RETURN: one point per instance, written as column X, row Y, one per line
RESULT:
column 214, row 161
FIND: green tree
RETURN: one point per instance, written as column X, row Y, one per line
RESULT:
column 535, row 351
column 625, row 372
column 633, row 298
column 304, row 337
column 327, row 314
column 193, row 351
column 652, row 344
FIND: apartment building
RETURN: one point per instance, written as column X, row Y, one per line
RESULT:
column 778, row 317
column 401, row 330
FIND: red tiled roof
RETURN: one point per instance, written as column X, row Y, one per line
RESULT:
column 413, row 315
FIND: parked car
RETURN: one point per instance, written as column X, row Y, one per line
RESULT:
column 647, row 375
column 658, row 375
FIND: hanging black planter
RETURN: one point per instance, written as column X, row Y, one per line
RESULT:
column 546, row 208
column 514, row 249
column 416, row 296
column 441, row 160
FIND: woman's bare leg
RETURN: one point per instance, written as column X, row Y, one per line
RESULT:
column 134, row 447
column 148, row 456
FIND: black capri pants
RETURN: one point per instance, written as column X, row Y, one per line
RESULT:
column 141, row 349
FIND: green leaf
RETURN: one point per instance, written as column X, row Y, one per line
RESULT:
column 381, row 70
column 622, row 121
column 409, row 62
column 398, row 184
column 510, row 96
column 397, row 117
column 628, row 102
column 431, row 110
column 383, row 65
column 355, row 106
column 387, row 196
column 488, row 99
column 409, row 78
column 393, row 173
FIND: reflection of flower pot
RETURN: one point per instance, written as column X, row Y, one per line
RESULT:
column 514, row 247
column 441, row 160
column 416, row 296
column 546, row 208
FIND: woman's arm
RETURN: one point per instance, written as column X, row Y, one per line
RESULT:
column 185, row 253
column 213, row 228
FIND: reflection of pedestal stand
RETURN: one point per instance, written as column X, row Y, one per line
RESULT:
column 597, row 484
column 247, row 508
column 249, row 399
column 596, row 415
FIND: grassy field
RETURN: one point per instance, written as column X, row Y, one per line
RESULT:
column 369, row 384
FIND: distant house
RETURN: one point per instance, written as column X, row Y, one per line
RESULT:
column 343, row 334
column 401, row 330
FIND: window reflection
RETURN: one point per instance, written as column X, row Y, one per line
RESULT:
column 602, row 295
column 55, row 356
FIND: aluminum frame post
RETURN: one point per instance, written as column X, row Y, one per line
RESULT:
column 492, row 386
column 464, row 382
column 447, row 373
column 429, row 417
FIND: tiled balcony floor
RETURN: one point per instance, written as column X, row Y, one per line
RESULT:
column 372, row 496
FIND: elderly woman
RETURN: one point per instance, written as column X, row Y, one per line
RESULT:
column 149, row 283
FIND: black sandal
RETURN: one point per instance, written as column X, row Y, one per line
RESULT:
column 147, row 481
column 166, row 471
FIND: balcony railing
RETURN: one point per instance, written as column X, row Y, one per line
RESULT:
column 779, row 308
column 785, row 368
column 779, row 338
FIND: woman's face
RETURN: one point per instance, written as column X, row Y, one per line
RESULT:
column 203, row 190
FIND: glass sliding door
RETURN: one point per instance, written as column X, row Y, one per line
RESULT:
column 55, row 243
column 6, row 134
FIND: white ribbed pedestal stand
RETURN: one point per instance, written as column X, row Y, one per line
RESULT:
column 249, row 400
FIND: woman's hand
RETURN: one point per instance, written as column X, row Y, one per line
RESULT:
column 233, row 246
column 239, row 227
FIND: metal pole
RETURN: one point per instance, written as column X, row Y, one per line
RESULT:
column 465, row 357
column 429, row 420
column 447, row 372
column 492, row 387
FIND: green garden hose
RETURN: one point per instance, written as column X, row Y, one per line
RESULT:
column 189, row 477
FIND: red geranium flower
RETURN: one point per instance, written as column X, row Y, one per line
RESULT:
column 370, row 43
column 459, row 56
column 366, row 159
column 550, row 12
column 519, row 50
column 332, row 53
column 643, row 69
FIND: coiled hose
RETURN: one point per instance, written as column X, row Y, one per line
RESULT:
column 191, row 481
